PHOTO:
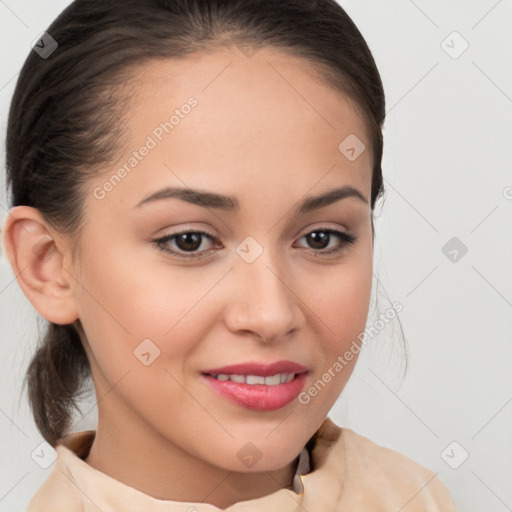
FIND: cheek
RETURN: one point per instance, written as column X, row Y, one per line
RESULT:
column 340, row 305
column 341, row 299
column 141, row 331
column 340, row 309
column 124, row 301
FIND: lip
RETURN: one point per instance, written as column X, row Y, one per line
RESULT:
column 262, row 369
column 259, row 397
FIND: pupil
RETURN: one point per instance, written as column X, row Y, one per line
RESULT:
column 189, row 238
column 320, row 237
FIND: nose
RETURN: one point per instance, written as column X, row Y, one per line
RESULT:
column 263, row 300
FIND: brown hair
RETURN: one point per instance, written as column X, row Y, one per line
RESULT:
column 63, row 121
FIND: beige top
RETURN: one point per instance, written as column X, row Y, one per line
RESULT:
column 339, row 471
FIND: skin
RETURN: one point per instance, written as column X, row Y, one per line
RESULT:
column 266, row 130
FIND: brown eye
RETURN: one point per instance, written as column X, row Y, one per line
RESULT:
column 179, row 244
column 189, row 241
column 319, row 240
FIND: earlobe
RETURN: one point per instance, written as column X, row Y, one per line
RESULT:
column 36, row 256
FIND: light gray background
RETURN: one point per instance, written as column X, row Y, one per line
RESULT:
column 447, row 166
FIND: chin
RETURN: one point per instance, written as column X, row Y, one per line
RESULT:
column 258, row 455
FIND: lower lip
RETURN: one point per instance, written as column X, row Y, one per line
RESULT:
column 259, row 397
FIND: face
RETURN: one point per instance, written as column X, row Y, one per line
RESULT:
column 168, row 288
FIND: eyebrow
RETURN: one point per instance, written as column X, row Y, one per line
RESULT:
column 227, row 203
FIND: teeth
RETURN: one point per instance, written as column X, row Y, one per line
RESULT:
column 271, row 380
column 254, row 379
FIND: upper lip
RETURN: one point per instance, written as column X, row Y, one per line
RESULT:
column 255, row 368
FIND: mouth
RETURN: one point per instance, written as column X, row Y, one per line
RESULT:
column 251, row 380
column 258, row 386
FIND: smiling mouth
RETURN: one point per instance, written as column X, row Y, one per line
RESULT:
column 269, row 380
column 260, row 387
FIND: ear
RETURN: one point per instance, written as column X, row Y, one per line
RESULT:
column 36, row 254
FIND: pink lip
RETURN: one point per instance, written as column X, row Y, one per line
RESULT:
column 260, row 397
column 265, row 370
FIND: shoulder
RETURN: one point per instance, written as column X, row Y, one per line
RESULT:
column 59, row 492
column 388, row 477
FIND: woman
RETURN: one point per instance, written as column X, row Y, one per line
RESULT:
column 193, row 185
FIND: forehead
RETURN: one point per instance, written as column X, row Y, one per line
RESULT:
column 261, row 120
column 266, row 85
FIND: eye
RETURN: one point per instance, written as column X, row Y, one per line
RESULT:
column 186, row 242
column 320, row 239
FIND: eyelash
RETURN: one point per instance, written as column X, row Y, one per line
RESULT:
column 346, row 240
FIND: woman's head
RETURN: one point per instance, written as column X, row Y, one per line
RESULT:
column 273, row 104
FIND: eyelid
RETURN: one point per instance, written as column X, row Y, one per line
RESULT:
column 321, row 227
column 189, row 229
